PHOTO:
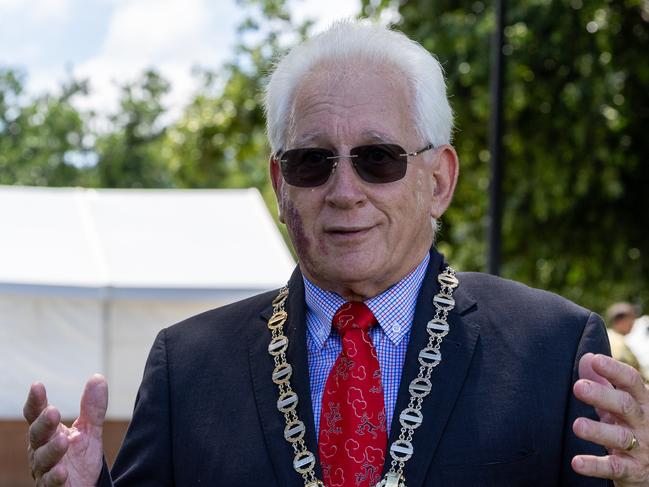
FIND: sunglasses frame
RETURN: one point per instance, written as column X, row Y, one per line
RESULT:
column 361, row 173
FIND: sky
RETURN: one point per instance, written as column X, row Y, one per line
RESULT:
column 112, row 41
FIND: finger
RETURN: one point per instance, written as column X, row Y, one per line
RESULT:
column 608, row 435
column 622, row 376
column 607, row 467
column 42, row 429
column 94, row 402
column 55, row 477
column 586, row 370
column 50, row 453
column 35, row 403
column 618, row 402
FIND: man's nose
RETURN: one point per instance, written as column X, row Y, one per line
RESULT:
column 346, row 188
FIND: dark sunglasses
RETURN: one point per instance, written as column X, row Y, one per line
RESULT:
column 375, row 163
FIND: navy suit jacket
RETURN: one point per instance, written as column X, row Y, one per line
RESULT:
column 500, row 412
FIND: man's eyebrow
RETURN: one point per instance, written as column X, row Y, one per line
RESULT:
column 374, row 136
column 307, row 138
column 368, row 136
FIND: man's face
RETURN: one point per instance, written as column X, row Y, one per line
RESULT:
column 623, row 324
column 351, row 236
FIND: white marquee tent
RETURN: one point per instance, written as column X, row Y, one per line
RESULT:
column 88, row 277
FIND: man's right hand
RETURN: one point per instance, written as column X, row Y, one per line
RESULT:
column 61, row 455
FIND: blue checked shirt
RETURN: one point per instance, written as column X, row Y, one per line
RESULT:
column 394, row 310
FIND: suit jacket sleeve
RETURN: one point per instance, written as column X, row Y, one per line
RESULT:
column 145, row 458
column 595, row 340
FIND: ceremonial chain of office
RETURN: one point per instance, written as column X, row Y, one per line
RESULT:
column 410, row 418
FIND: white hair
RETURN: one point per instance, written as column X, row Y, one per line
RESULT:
column 352, row 41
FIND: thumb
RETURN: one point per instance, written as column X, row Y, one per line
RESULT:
column 94, row 402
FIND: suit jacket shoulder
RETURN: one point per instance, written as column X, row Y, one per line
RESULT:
column 196, row 409
column 514, row 296
column 523, row 313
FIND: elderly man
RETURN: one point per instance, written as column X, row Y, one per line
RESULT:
column 377, row 364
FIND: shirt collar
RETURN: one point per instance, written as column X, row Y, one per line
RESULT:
column 394, row 308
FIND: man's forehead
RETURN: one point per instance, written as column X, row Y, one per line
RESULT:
column 330, row 77
column 371, row 107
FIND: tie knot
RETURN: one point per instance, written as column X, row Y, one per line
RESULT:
column 353, row 315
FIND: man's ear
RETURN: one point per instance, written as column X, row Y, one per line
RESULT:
column 445, row 171
column 277, row 180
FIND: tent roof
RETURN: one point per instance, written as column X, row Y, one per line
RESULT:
column 139, row 239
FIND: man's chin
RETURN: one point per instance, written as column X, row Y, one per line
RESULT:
column 356, row 276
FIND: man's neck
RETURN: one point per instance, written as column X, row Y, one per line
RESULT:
column 360, row 291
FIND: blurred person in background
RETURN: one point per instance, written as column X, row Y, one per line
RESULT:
column 620, row 318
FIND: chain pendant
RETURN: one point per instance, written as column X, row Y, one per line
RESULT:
column 392, row 479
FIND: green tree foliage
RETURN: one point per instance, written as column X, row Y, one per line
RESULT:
column 576, row 216
column 219, row 142
column 129, row 154
column 40, row 139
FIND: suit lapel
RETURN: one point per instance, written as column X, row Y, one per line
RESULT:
column 266, row 391
column 447, row 378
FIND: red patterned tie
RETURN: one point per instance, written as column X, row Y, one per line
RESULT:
column 353, row 437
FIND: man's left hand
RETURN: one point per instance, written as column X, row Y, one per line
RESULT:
column 621, row 400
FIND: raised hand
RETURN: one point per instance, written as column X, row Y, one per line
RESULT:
column 621, row 400
column 61, row 455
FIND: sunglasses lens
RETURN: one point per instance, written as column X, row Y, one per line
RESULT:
column 306, row 167
column 375, row 163
column 380, row 163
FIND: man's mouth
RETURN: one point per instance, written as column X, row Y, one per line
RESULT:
column 348, row 231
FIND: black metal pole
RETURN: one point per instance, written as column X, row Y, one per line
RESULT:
column 495, row 143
